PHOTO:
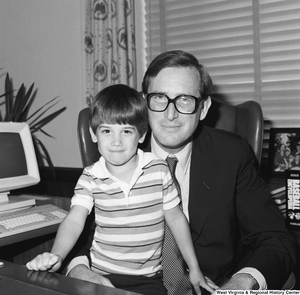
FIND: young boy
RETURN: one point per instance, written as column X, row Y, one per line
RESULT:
column 133, row 192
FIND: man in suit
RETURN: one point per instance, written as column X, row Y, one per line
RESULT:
column 238, row 233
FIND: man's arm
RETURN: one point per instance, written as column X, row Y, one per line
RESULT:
column 243, row 218
column 262, row 229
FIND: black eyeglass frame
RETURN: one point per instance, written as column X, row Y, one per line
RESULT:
column 173, row 100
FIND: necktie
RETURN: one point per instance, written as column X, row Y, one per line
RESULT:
column 175, row 274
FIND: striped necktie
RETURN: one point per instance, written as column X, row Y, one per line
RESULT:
column 175, row 274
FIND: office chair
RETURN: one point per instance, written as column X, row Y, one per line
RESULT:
column 245, row 119
column 88, row 149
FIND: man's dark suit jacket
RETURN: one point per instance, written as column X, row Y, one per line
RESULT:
column 234, row 222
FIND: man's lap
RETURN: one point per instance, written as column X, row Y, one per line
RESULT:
column 139, row 284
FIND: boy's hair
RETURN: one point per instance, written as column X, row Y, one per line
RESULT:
column 119, row 104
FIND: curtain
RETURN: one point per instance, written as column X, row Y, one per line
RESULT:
column 109, row 45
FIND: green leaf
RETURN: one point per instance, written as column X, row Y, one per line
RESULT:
column 46, row 155
column 42, row 107
column 24, row 102
column 46, row 133
column 8, row 97
column 41, row 123
column 17, row 109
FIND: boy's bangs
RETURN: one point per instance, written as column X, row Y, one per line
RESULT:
column 117, row 116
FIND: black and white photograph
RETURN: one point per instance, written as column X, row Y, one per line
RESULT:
column 284, row 150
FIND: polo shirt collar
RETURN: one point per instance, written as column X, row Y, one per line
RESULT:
column 99, row 169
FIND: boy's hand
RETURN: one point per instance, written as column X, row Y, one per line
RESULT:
column 46, row 261
column 198, row 280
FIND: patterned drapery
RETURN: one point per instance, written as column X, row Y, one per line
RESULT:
column 109, row 45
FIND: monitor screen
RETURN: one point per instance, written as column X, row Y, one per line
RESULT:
column 18, row 164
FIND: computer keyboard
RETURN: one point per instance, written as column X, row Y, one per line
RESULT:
column 29, row 219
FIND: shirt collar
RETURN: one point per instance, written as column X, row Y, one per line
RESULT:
column 184, row 156
column 99, row 169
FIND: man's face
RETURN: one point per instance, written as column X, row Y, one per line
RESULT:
column 173, row 130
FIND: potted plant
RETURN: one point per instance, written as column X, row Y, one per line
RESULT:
column 17, row 108
column 17, row 105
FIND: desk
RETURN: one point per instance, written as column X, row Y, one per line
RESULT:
column 16, row 279
column 23, row 247
column 60, row 202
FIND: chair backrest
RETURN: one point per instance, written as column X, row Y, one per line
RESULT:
column 245, row 119
column 88, row 149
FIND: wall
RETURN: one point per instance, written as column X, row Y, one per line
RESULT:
column 42, row 42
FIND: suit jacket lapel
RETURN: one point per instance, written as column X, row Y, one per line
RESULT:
column 203, row 177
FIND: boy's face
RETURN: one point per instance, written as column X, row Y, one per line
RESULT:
column 117, row 143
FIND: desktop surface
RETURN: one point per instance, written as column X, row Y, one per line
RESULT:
column 16, row 279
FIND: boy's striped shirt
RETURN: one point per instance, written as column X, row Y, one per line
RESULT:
column 130, row 222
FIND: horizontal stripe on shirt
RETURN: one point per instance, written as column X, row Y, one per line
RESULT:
column 129, row 233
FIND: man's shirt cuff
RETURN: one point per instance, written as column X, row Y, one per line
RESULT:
column 76, row 261
column 257, row 275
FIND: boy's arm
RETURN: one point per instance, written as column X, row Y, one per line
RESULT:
column 69, row 231
column 179, row 226
column 67, row 235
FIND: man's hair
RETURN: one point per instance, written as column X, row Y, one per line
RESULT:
column 178, row 59
column 119, row 104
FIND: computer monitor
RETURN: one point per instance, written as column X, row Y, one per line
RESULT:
column 18, row 164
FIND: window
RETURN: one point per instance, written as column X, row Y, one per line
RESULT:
column 250, row 47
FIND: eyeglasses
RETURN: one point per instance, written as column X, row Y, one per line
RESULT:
column 184, row 104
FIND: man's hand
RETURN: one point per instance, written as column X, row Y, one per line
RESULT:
column 240, row 281
column 84, row 273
